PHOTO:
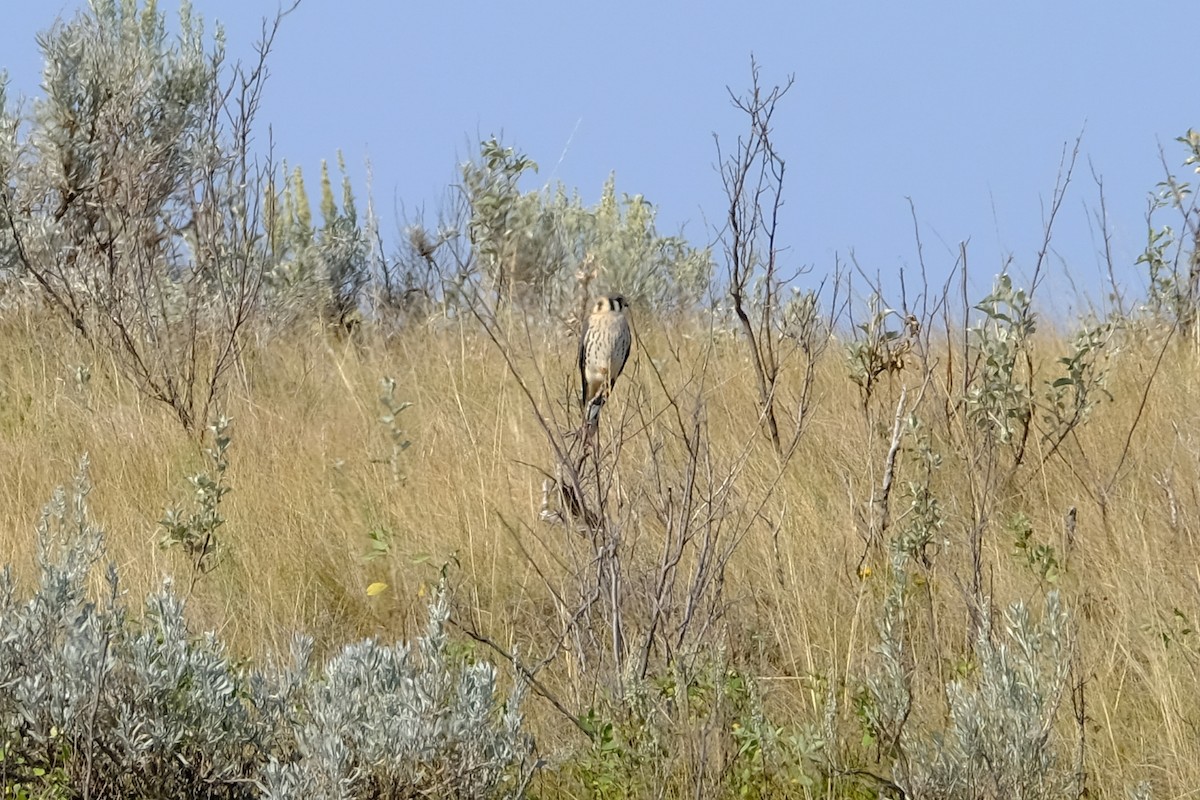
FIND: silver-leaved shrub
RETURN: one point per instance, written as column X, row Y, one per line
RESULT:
column 110, row 704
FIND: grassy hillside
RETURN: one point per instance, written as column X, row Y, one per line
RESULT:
column 316, row 486
column 817, row 546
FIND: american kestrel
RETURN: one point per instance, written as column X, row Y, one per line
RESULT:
column 603, row 351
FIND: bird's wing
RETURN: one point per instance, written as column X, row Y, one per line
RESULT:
column 623, row 354
column 583, row 362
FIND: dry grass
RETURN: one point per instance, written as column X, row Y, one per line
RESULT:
column 310, row 477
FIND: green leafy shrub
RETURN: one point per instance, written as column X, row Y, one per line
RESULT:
column 703, row 731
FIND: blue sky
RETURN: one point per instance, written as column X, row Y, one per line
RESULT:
column 963, row 107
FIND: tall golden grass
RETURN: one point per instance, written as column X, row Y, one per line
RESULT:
column 311, row 477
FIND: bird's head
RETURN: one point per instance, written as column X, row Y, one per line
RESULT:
column 610, row 302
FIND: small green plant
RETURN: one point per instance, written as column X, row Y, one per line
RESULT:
column 381, row 547
column 774, row 761
column 999, row 400
column 885, row 710
column 1041, row 559
column 23, row 779
column 381, row 543
column 1177, row 631
column 391, row 420
column 82, row 375
column 1071, row 396
column 1172, row 269
column 611, row 766
column 196, row 532
column 878, row 350
column 920, row 526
